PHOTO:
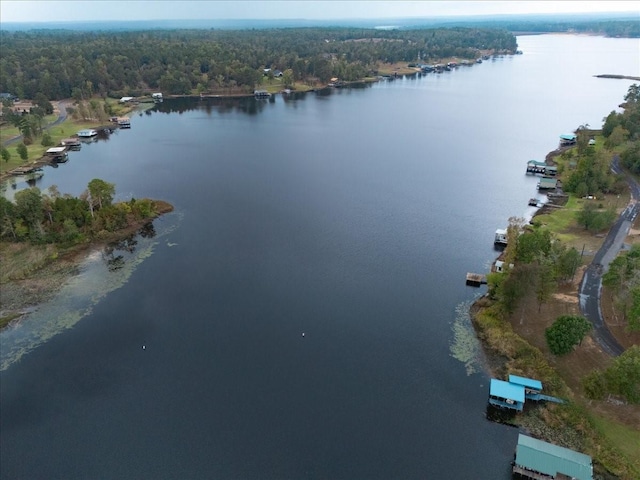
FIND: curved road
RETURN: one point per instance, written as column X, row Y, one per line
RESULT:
column 62, row 116
column 591, row 285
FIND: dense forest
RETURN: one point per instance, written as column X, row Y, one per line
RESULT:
column 63, row 64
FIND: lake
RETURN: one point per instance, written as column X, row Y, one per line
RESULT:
column 350, row 215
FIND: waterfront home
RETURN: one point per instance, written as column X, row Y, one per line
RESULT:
column 538, row 460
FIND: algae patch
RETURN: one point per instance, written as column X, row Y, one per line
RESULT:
column 465, row 346
column 102, row 272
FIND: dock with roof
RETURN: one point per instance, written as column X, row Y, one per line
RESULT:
column 513, row 394
column 538, row 460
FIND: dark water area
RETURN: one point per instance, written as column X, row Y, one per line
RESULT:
column 349, row 215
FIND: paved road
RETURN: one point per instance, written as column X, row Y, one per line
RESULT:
column 62, row 116
column 591, row 286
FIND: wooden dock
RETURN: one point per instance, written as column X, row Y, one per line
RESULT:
column 476, row 279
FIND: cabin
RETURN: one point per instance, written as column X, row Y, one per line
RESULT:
column 500, row 237
column 568, row 139
column 539, row 460
column 506, row 395
column 547, row 183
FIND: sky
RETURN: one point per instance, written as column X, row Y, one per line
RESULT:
column 98, row 10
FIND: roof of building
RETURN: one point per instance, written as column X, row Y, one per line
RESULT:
column 536, row 163
column 501, row 231
column 526, row 382
column 502, row 389
column 568, row 136
column 550, row 459
column 56, row 149
column 548, row 182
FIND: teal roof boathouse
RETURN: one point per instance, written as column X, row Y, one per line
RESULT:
column 540, row 460
column 506, row 395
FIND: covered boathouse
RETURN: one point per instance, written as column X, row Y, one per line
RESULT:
column 538, row 460
column 506, row 395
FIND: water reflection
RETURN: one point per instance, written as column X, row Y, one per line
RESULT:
column 102, row 272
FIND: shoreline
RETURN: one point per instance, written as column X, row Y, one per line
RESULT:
column 21, row 296
column 509, row 347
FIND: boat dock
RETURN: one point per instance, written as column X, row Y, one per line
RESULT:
column 476, row 279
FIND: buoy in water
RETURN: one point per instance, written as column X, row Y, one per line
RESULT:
column 144, row 347
column 303, row 334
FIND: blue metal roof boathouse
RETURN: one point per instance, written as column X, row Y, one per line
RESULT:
column 512, row 394
column 506, row 395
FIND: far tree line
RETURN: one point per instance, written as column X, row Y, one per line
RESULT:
column 64, row 64
column 50, row 217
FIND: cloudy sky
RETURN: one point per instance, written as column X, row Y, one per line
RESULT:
column 74, row 10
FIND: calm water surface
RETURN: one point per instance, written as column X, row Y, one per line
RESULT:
column 351, row 215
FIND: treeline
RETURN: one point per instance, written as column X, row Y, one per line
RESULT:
column 50, row 217
column 63, row 64
column 622, row 130
column 608, row 28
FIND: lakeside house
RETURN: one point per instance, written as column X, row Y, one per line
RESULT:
column 539, row 460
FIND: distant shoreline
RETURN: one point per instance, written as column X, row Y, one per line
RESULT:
column 619, row 77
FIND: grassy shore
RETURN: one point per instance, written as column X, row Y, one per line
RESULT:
column 607, row 430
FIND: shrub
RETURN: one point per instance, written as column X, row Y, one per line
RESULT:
column 565, row 333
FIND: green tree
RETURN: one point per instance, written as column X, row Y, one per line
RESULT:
column 101, row 193
column 22, row 151
column 532, row 245
column 622, row 377
column 545, row 282
column 6, row 155
column 29, row 208
column 565, row 333
column 287, row 78
column 46, row 141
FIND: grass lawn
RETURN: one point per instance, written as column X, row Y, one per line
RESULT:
column 625, row 439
